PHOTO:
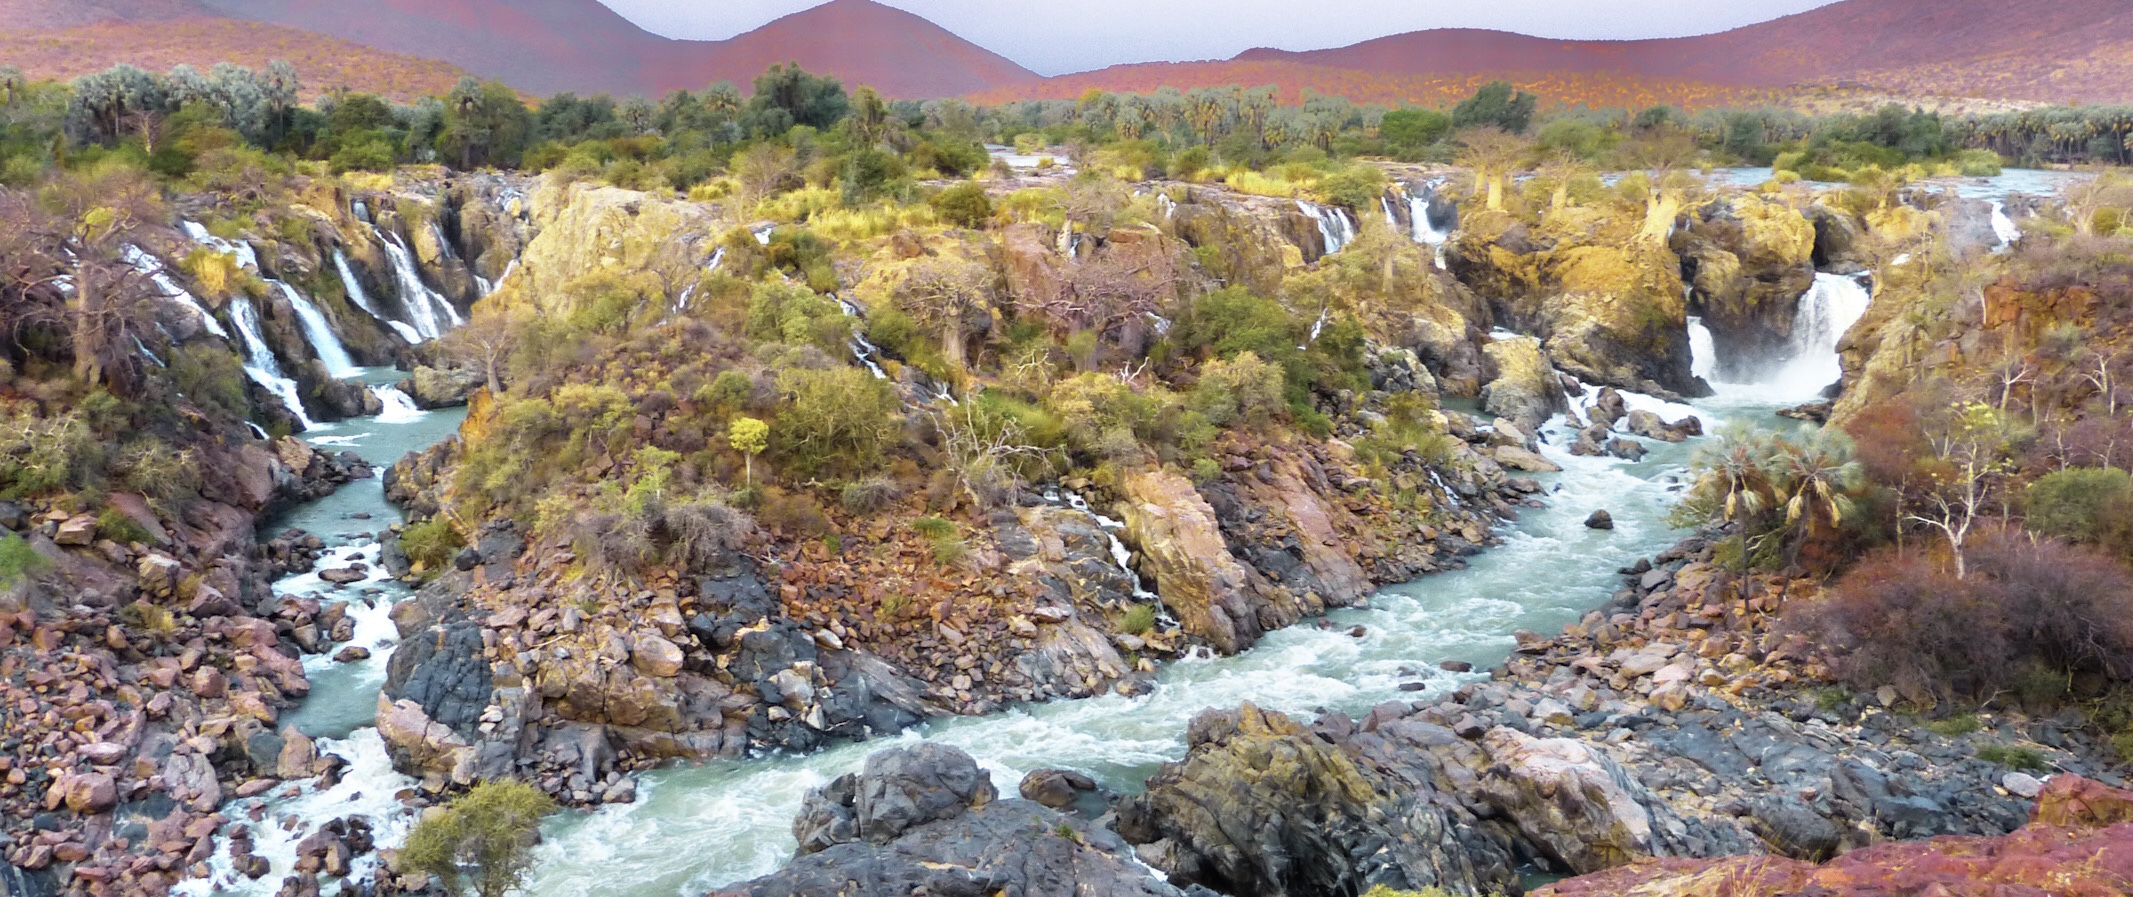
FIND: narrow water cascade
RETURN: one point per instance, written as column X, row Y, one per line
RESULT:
column 320, row 332
column 260, row 363
column 1119, row 553
column 152, row 268
column 1335, row 225
column 2003, row 226
column 430, row 314
column 1703, row 350
column 361, row 298
column 1421, row 226
column 862, row 349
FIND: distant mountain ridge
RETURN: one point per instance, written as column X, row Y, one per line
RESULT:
column 2064, row 51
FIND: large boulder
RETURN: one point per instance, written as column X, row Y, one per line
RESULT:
column 1749, row 259
column 898, row 790
column 1526, row 391
column 448, row 388
column 1577, row 803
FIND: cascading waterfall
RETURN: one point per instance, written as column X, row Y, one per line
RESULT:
column 323, row 341
column 1703, row 350
column 1334, row 225
column 423, row 304
column 1825, row 313
column 1120, row 555
column 361, row 298
column 862, row 349
column 2003, row 226
column 152, row 268
column 1421, row 227
column 260, row 362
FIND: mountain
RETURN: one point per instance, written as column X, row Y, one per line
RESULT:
column 157, row 44
column 2028, row 50
column 20, row 16
column 549, row 46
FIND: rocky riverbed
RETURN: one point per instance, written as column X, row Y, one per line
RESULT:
column 1674, row 724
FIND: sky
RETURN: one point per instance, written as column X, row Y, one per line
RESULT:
column 1053, row 37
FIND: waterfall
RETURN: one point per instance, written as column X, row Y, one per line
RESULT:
column 320, row 333
column 1392, row 219
column 862, row 349
column 1703, row 350
column 399, row 408
column 1168, row 205
column 1334, row 225
column 1119, row 554
column 2003, row 226
column 1828, row 310
column 317, row 330
column 152, row 267
column 260, row 362
column 357, row 295
column 421, row 303
column 1421, row 227
column 762, row 234
column 717, row 258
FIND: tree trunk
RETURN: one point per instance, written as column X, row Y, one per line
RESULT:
column 86, row 333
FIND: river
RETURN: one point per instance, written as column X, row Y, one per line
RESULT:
column 695, row 827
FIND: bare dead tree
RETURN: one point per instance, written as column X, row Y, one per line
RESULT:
column 983, row 451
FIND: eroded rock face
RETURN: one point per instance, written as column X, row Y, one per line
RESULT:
column 1215, row 596
column 1749, row 260
column 432, row 388
column 1578, row 804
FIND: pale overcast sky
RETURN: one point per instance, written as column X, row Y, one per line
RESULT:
column 1063, row 36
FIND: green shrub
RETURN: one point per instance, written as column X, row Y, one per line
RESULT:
column 113, row 524
column 1955, row 726
column 18, row 561
column 1138, row 621
column 431, row 543
column 963, row 205
column 2013, row 757
column 487, row 835
column 933, row 527
column 2084, row 504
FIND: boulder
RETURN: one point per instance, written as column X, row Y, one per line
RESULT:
column 1526, row 390
column 1600, row 519
column 896, row 791
column 1576, row 803
column 1055, row 788
column 89, row 792
column 431, row 388
column 657, row 657
column 1182, row 549
column 1515, row 458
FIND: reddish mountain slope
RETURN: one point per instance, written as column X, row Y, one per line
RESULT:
column 323, row 62
column 2046, row 50
column 19, row 16
column 548, row 46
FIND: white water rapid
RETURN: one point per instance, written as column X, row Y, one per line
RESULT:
column 320, row 332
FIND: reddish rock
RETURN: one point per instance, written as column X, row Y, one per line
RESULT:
column 2089, row 853
column 91, row 793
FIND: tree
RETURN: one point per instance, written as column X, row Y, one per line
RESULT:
column 1496, row 104
column 983, row 449
column 1495, row 155
column 788, row 95
column 487, row 835
column 1410, row 130
column 484, row 124
column 1969, row 447
column 11, row 83
column 749, row 437
column 944, row 291
column 486, row 342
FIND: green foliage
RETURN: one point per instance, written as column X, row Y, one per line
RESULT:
column 18, row 561
column 1358, row 187
column 486, row 836
column 839, row 419
column 2090, row 505
column 113, row 524
column 1783, row 493
column 1244, row 391
column 798, row 316
column 211, row 377
column 1140, row 620
column 1408, row 131
column 1496, row 103
column 786, row 96
column 431, row 543
column 2014, row 757
column 963, row 205
column 41, row 455
column 1955, row 726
